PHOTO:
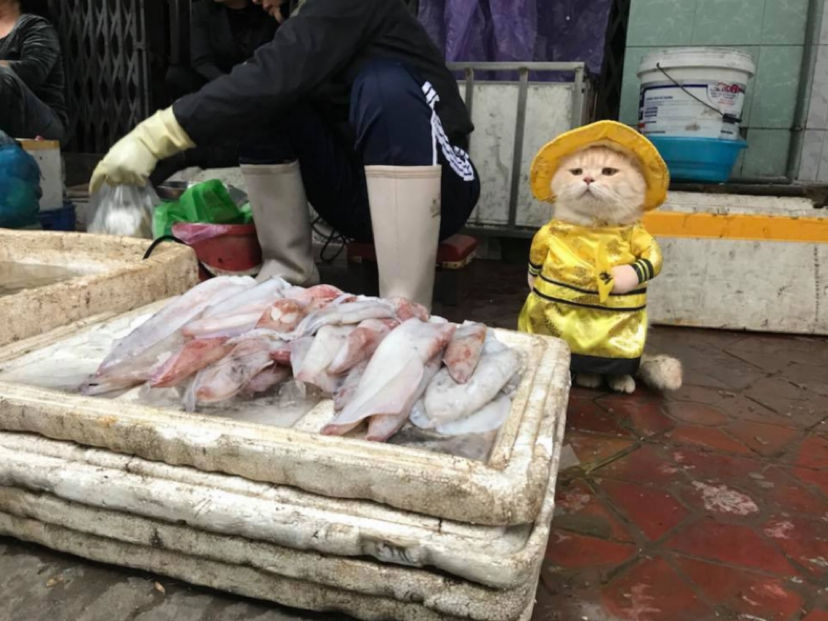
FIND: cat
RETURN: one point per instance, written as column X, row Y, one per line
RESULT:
column 600, row 187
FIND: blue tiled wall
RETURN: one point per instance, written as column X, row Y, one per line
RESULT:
column 772, row 31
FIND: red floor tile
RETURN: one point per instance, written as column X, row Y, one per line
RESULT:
column 571, row 551
column 652, row 591
column 594, row 450
column 578, row 509
column 782, row 492
column 696, row 414
column 699, row 394
column 752, row 595
column 776, row 352
column 816, row 478
column 813, row 453
column 730, row 543
column 640, row 414
column 647, row 464
column 586, row 415
column 719, row 500
column 705, row 465
column 804, row 540
column 817, row 615
column 764, row 439
column 710, row 438
column 652, row 510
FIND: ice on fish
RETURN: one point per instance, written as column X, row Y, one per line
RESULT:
column 253, row 300
column 267, row 379
column 189, row 360
column 314, row 370
column 345, row 313
column 447, row 401
column 361, row 344
column 228, row 376
column 174, row 316
column 348, row 388
column 227, row 326
column 488, row 418
column 383, row 426
column 393, row 374
column 283, row 315
column 463, row 352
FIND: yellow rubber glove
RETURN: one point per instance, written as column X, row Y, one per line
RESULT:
column 133, row 158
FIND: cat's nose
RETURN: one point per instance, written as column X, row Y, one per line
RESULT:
column 588, row 180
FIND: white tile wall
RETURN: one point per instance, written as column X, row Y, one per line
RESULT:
column 813, row 164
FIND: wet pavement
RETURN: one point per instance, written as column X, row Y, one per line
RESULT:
column 709, row 504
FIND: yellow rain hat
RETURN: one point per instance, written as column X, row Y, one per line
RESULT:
column 610, row 133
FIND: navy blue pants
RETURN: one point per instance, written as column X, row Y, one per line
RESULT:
column 392, row 117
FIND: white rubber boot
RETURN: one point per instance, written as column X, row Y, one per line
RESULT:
column 405, row 216
column 280, row 213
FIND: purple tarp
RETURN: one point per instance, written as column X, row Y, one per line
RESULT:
column 519, row 30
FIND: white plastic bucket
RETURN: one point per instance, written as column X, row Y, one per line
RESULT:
column 696, row 92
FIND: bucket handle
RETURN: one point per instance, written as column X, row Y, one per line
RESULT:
column 169, row 238
column 729, row 118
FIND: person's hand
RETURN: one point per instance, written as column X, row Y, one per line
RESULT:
column 133, row 158
column 624, row 279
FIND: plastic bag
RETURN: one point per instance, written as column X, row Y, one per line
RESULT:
column 207, row 203
column 19, row 186
column 124, row 210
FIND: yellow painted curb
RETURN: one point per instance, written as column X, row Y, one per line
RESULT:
column 737, row 226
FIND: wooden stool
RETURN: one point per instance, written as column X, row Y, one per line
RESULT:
column 453, row 256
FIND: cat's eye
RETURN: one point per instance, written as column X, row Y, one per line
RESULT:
column 577, row 171
column 609, row 172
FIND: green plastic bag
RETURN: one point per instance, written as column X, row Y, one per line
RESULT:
column 207, row 202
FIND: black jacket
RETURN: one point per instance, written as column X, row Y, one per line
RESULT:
column 214, row 51
column 313, row 60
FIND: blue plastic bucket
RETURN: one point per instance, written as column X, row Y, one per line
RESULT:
column 702, row 160
column 62, row 219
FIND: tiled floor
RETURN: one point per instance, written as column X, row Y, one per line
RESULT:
column 711, row 504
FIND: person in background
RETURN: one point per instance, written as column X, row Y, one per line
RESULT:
column 350, row 107
column 32, row 98
column 223, row 34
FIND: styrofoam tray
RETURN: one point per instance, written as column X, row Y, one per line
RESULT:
column 506, row 489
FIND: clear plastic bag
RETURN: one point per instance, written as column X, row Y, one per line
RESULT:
column 124, row 210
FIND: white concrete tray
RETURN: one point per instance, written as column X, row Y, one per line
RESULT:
column 134, row 513
column 91, row 274
column 506, row 489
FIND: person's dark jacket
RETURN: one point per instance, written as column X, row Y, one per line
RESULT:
column 313, row 60
column 214, row 46
column 32, row 51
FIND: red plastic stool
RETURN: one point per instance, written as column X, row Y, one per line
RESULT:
column 453, row 256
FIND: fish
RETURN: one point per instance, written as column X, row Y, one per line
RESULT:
column 344, row 313
column 314, row 370
column 227, row 377
column 226, row 326
column 254, row 300
column 488, row 418
column 316, row 297
column 463, row 352
column 267, row 379
column 347, row 389
column 173, row 317
column 406, row 309
column 393, row 374
column 361, row 344
column 447, row 401
column 383, row 426
column 189, row 360
column 283, row 315
column 299, row 349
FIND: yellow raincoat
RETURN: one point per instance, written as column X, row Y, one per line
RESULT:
column 571, row 297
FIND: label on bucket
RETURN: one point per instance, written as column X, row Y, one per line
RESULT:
column 701, row 109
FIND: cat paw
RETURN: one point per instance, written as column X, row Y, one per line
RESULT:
column 588, row 380
column 622, row 383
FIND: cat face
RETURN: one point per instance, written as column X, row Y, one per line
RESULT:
column 599, row 186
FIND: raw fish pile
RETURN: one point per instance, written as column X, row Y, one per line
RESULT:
column 382, row 361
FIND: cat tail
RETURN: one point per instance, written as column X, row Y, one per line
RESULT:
column 662, row 373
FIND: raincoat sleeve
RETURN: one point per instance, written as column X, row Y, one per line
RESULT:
column 648, row 255
column 39, row 52
column 538, row 251
column 308, row 49
column 201, row 52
